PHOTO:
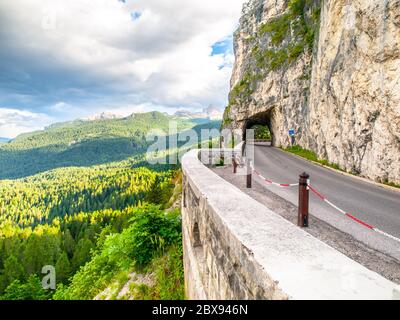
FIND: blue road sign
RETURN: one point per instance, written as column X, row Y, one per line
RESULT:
column 292, row 132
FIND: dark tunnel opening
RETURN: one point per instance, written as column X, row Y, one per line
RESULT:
column 261, row 124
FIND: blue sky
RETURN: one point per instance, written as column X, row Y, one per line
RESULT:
column 61, row 60
column 224, row 46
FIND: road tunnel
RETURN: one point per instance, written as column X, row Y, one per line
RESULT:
column 261, row 124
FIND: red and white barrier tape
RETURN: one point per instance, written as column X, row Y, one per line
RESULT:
column 350, row 216
column 280, row 185
column 323, row 198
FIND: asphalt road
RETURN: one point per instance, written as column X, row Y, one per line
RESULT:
column 377, row 206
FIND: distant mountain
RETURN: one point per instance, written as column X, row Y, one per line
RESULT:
column 210, row 113
column 105, row 116
column 184, row 114
column 213, row 113
column 84, row 143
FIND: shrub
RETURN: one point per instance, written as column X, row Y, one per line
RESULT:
column 169, row 275
column 31, row 290
column 278, row 29
column 151, row 232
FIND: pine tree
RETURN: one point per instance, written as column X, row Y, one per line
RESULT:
column 31, row 290
column 13, row 270
column 82, row 253
column 68, row 243
column 63, row 268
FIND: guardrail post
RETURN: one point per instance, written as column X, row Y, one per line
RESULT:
column 234, row 164
column 303, row 200
column 249, row 173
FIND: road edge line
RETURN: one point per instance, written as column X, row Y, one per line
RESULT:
column 344, row 173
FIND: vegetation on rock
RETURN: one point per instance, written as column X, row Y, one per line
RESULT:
column 311, row 155
column 277, row 43
column 150, row 235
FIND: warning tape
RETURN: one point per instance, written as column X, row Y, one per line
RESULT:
column 323, row 198
column 350, row 216
column 280, row 185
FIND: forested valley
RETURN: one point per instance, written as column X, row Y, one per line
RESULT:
column 110, row 226
column 85, row 143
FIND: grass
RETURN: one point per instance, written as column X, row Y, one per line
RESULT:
column 169, row 278
column 227, row 121
column 278, row 29
column 312, row 156
column 169, row 275
column 294, row 27
column 391, row 184
column 176, row 193
column 221, row 163
column 244, row 89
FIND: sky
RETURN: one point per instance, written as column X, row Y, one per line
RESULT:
column 61, row 60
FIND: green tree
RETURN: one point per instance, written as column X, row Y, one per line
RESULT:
column 63, row 268
column 82, row 253
column 42, row 249
column 68, row 243
column 13, row 270
column 261, row 132
column 31, row 290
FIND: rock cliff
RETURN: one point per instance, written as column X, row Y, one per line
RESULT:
column 330, row 69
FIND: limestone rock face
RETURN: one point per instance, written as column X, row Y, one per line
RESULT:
column 281, row 95
column 342, row 96
column 355, row 95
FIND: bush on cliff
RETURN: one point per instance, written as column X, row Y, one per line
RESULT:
column 152, row 232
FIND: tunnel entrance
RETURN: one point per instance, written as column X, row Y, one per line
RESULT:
column 261, row 124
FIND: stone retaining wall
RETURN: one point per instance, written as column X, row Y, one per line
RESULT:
column 236, row 248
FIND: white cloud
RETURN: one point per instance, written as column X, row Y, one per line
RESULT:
column 60, row 107
column 14, row 122
column 87, row 53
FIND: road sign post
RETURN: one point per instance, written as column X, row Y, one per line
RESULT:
column 303, row 201
column 248, row 176
column 222, row 147
column 234, row 164
column 292, row 134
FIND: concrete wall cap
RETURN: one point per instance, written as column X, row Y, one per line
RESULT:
column 304, row 267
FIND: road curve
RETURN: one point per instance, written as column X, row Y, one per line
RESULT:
column 375, row 205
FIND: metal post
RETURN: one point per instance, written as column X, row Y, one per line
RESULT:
column 249, row 173
column 303, row 200
column 234, row 164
